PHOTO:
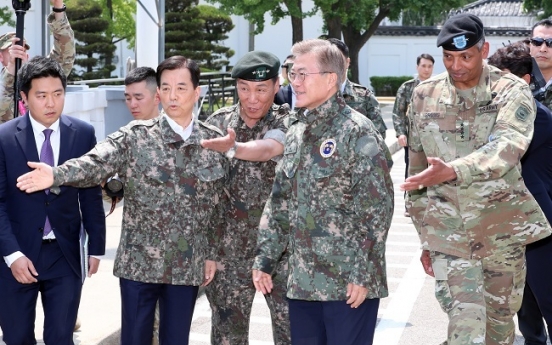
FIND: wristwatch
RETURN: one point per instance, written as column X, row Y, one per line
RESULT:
column 232, row 152
column 59, row 10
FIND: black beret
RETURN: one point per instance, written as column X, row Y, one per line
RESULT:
column 460, row 32
column 257, row 66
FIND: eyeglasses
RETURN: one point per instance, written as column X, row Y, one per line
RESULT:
column 537, row 41
column 303, row 75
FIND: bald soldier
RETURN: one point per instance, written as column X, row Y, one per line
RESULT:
column 469, row 128
column 254, row 123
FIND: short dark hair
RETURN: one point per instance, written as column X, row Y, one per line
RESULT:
column 39, row 67
column 515, row 57
column 140, row 74
column 545, row 22
column 425, row 56
column 178, row 62
column 341, row 45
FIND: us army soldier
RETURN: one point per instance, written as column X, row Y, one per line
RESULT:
column 424, row 66
column 471, row 125
column 63, row 51
column 331, row 205
column 254, row 122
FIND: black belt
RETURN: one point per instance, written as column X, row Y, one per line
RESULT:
column 48, row 240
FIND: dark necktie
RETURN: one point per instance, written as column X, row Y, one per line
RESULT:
column 47, row 156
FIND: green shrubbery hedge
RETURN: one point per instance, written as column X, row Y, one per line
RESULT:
column 388, row 86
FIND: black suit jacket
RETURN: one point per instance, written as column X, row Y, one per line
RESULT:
column 284, row 95
column 537, row 161
column 22, row 215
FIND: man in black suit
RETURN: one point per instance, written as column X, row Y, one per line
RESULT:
column 537, row 174
column 39, row 232
column 285, row 93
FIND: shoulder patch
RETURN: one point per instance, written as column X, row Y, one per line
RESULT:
column 522, row 113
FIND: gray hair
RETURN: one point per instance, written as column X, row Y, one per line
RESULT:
column 328, row 57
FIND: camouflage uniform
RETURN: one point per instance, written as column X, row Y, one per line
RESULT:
column 476, row 227
column 171, row 216
column 63, row 52
column 361, row 99
column 402, row 101
column 332, row 213
column 231, row 293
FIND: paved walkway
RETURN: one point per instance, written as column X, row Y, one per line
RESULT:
column 409, row 316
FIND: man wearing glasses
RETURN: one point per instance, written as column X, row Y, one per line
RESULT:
column 541, row 51
column 285, row 94
column 331, row 206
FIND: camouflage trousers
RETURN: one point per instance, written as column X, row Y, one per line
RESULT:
column 231, row 296
column 480, row 297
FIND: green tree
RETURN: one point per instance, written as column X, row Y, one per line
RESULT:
column 120, row 15
column 254, row 11
column 357, row 20
column 195, row 31
column 183, row 29
column 6, row 16
column 542, row 7
column 93, row 47
column 215, row 28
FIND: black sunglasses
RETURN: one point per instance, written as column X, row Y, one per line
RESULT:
column 537, row 42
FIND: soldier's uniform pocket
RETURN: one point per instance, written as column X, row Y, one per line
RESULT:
column 442, row 288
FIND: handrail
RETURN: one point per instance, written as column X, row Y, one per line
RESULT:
column 94, row 81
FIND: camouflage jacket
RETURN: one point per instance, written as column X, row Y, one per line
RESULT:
column 402, row 101
column 249, row 185
column 331, row 205
column 361, row 99
column 63, row 52
column 488, row 207
column 172, row 215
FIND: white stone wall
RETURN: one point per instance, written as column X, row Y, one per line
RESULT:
column 88, row 105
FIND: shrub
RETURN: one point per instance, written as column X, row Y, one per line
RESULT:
column 388, row 86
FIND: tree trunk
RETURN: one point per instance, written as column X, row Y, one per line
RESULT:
column 109, row 56
column 334, row 25
column 355, row 40
column 296, row 10
column 297, row 29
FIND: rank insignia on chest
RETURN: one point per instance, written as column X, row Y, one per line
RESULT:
column 328, row 148
column 462, row 130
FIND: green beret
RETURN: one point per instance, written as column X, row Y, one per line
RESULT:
column 257, row 66
column 460, row 32
column 5, row 41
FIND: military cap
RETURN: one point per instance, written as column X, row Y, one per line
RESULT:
column 257, row 66
column 5, row 41
column 460, row 32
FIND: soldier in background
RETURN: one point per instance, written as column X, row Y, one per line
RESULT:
column 331, row 206
column 63, row 52
column 173, row 206
column 257, row 123
column 424, row 66
column 359, row 97
column 469, row 128
column 141, row 97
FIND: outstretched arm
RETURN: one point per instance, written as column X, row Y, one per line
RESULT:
column 256, row 150
column 40, row 178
